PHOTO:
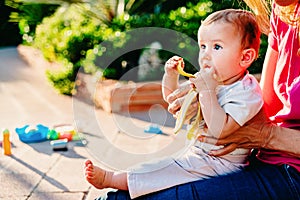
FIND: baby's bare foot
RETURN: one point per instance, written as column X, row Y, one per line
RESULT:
column 96, row 176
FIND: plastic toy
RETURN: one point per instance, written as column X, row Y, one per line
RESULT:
column 30, row 134
column 67, row 136
column 153, row 128
column 52, row 135
column 63, row 129
column 39, row 133
column 66, row 132
column 59, row 145
column 6, row 143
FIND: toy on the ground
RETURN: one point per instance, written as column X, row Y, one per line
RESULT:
column 30, row 134
column 59, row 145
column 40, row 133
column 63, row 132
column 52, row 135
column 6, row 143
column 153, row 128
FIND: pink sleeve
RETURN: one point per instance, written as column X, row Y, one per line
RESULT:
column 290, row 116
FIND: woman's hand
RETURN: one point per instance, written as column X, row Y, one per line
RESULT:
column 176, row 99
column 254, row 134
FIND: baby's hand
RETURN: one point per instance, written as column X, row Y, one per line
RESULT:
column 206, row 79
column 171, row 65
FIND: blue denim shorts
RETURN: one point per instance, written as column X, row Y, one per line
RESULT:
column 257, row 181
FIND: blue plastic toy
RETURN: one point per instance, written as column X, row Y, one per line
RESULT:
column 153, row 128
column 30, row 134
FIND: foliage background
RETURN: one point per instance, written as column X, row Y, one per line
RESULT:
column 71, row 32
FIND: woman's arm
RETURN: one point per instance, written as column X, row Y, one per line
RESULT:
column 272, row 103
column 284, row 139
column 259, row 132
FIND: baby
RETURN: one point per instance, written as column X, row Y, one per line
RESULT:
column 229, row 96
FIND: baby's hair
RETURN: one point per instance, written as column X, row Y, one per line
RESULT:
column 244, row 22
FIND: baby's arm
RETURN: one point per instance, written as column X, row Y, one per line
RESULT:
column 170, row 78
column 217, row 120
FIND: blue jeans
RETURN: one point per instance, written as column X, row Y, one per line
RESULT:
column 256, row 181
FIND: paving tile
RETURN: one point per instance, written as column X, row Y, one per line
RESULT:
column 34, row 171
column 66, row 175
column 56, row 196
column 18, row 184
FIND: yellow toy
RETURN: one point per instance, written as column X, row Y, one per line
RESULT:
column 6, row 143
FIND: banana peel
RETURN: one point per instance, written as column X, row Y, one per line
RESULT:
column 183, row 110
column 193, row 129
column 198, row 120
column 183, row 73
column 182, row 115
column 195, row 125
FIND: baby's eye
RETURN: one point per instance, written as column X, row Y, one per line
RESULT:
column 202, row 46
column 217, row 47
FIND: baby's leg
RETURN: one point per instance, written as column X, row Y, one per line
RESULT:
column 101, row 178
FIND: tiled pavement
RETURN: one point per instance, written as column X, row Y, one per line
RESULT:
column 34, row 170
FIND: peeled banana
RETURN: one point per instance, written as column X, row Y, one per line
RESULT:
column 194, row 126
column 183, row 73
column 193, row 129
column 184, row 108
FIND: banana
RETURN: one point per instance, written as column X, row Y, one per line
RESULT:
column 183, row 73
column 184, row 108
column 193, row 129
column 198, row 120
column 192, row 132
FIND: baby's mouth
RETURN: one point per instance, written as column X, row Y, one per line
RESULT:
column 206, row 66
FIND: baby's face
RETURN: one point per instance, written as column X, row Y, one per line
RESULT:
column 220, row 48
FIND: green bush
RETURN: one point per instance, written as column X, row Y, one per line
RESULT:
column 78, row 40
column 63, row 80
column 28, row 16
column 9, row 31
column 184, row 20
column 65, row 38
column 66, row 35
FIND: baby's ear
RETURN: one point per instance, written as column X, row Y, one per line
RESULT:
column 248, row 56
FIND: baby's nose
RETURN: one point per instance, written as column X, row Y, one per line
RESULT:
column 206, row 55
